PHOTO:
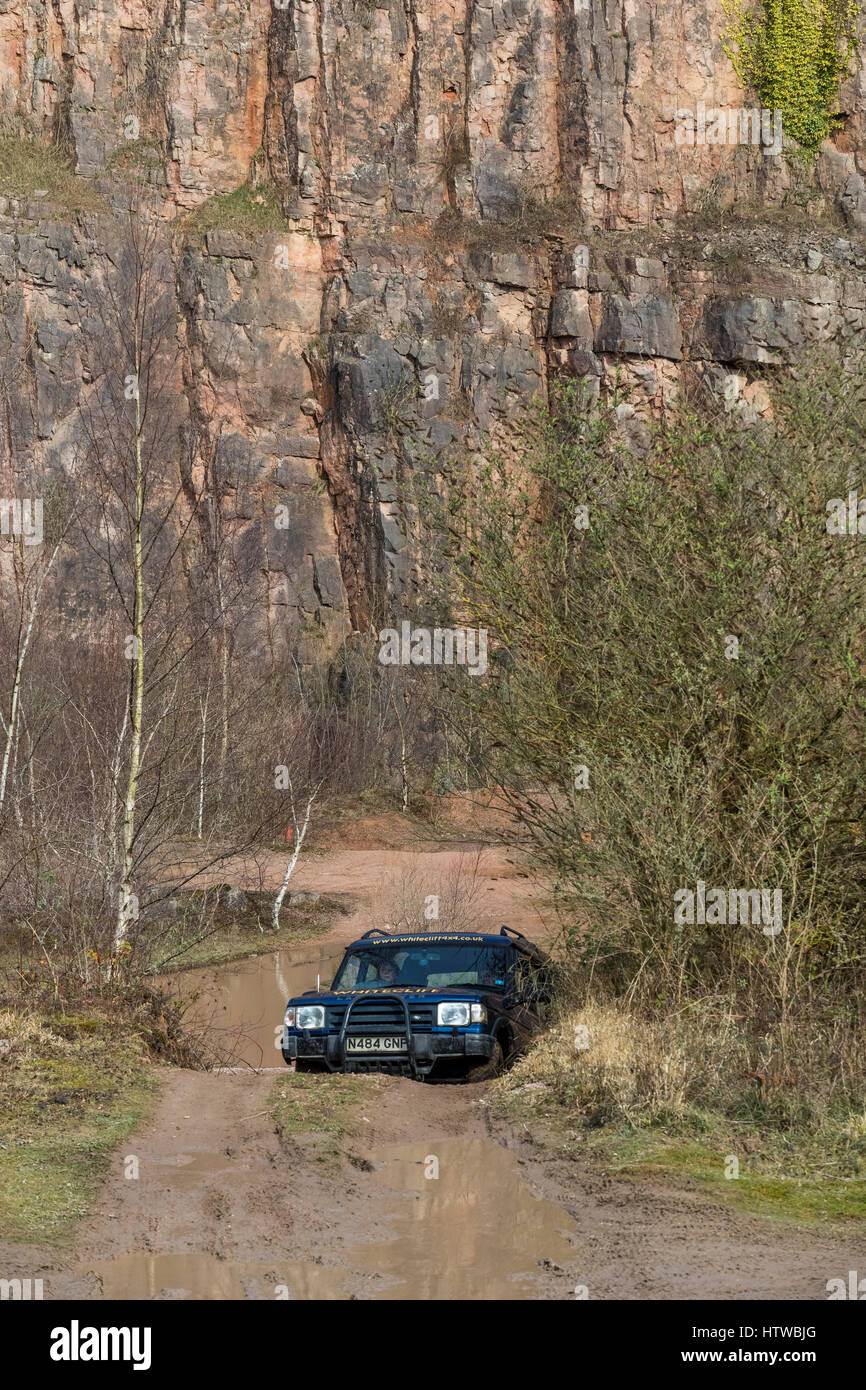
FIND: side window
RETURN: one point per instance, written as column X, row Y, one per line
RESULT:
column 497, row 968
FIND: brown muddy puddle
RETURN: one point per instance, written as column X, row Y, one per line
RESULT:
column 241, row 1005
column 474, row 1231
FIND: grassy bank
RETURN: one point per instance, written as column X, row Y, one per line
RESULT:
column 314, row 1113
column 679, row 1096
column 74, row 1081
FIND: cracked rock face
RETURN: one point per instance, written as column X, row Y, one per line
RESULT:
column 467, row 199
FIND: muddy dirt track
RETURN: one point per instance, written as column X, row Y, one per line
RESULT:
column 222, row 1209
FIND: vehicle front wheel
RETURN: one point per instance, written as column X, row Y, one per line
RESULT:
column 488, row 1067
column 308, row 1064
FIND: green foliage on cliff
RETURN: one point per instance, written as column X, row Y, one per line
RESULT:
column 245, row 209
column 794, row 54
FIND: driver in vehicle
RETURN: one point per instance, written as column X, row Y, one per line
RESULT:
column 387, row 972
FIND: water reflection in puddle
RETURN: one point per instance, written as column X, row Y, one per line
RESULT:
column 241, row 1005
column 475, row 1231
column 185, row 1276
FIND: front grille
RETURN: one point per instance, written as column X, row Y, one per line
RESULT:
column 420, row 1017
column 376, row 1016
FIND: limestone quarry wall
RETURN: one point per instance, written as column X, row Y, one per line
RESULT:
column 472, row 197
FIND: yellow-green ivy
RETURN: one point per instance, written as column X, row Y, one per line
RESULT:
column 794, row 53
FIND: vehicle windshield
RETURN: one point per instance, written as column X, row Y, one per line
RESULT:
column 423, row 967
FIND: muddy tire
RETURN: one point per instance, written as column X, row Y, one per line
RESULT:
column 308, row 1064
column 489, row 1067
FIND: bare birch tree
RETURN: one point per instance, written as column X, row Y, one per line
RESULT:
column 137, row 520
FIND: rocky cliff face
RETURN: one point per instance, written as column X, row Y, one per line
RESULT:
column 443, row 204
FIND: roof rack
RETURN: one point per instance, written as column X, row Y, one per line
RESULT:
column 375, row 931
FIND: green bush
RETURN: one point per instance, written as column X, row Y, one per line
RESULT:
column 739, row 772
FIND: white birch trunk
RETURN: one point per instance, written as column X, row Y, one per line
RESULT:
column 299, row 840
column 126, row 911
column 12, row 726
column 201, row 761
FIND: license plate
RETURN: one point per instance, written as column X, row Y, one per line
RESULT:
column 389, row 1044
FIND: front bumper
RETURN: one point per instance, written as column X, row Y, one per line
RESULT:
column 425, row 1050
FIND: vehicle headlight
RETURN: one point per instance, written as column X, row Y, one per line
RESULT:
column 452, row 1015
column 289, row 1018
column 479, row 1013
column 311, row 1016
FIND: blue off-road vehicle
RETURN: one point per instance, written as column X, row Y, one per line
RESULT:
column 452, row 1004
